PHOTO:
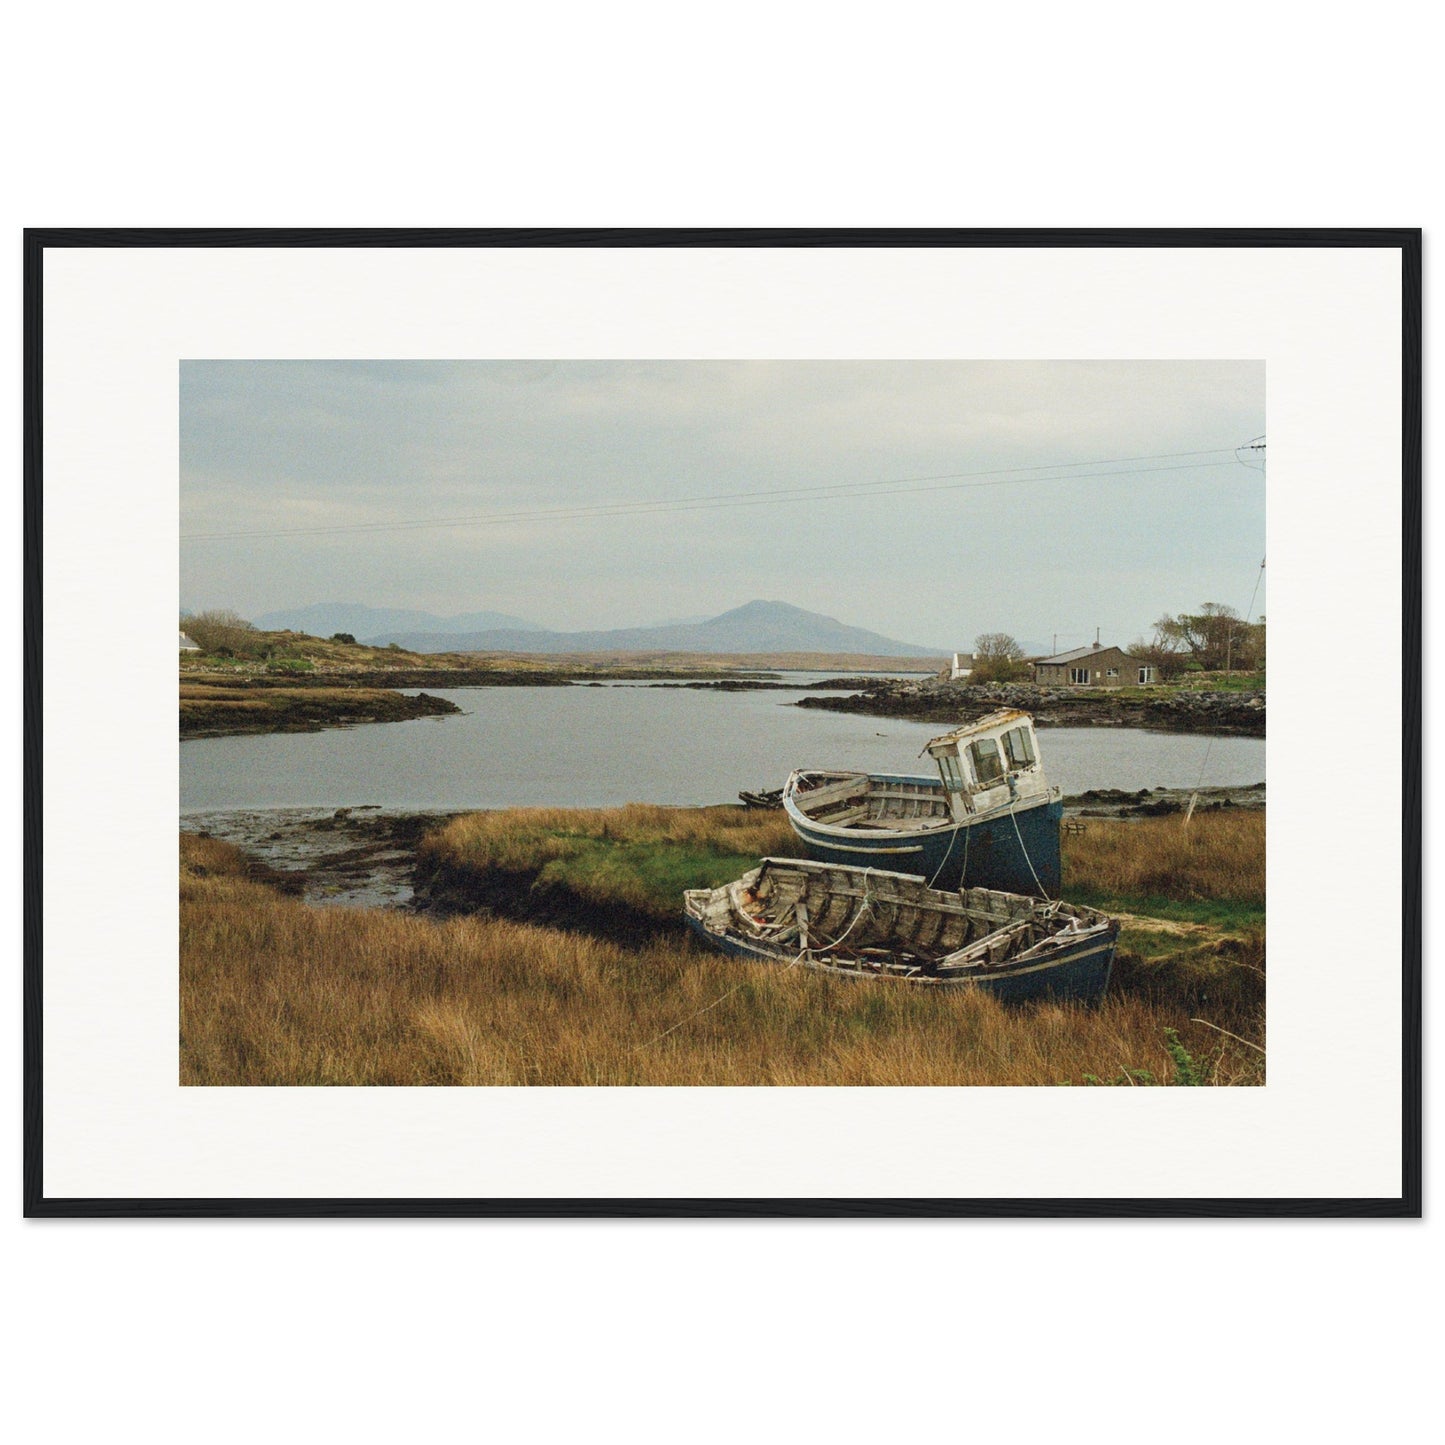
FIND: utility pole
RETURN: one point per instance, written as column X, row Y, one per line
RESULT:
column 1251, row 455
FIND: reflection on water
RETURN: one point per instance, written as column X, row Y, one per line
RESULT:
column 600, row 746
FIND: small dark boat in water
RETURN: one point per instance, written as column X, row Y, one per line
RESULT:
column 989, row 818
column 865, row 923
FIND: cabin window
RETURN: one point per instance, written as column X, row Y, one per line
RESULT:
column 1146, row 675
column 952, row 771
column 1078, row 674
column 987, row 764
column 1113, row 672
column 1019, row 747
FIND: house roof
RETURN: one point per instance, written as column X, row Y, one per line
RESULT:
column 1081, row 652
column 1002, row 717
column 187, row 645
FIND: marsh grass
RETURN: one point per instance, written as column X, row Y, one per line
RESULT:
column 641, row 856
column 1155, row 865
column 276, row 993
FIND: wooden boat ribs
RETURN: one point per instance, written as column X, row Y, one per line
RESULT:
column 864, row 921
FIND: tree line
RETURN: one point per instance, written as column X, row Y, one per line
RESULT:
column 1214, row 639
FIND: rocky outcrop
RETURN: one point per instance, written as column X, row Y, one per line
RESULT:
column 253, row 706
column 937, row 700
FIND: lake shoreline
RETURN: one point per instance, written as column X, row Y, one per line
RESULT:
column 239, row 707
column 937, row 700
column 369, row 856
column 217, row 704
column 230, row 704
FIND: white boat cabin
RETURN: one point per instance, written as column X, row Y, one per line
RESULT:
column 990, row 764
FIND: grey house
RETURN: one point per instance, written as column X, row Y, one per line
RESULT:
column 1094, row 666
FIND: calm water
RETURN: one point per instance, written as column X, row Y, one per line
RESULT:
column 599, row 746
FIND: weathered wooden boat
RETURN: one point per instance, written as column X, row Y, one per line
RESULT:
column 989, row 819
column 766, row 798
column 866, row 923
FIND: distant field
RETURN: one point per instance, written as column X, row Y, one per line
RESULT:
column 839, row 662
column 294, row 682
column 297, row 651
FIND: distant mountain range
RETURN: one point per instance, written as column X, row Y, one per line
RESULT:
column 327, row 618
column 753, row 627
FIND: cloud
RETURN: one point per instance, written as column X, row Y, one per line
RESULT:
column 267, row 446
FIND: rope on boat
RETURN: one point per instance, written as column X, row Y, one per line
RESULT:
column 865, row 906
column 1023, row 848
column 963, row 875
column 719, row 999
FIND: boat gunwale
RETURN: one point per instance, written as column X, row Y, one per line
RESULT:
column 1067, row 946
column 926, row 828
column 1102, row 939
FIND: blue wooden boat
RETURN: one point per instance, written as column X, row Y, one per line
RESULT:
column 989, row 819
column 866, row 923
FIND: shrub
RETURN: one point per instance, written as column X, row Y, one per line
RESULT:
column 1000, row 669
column 224, row 632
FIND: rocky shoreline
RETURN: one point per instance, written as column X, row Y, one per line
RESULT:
column 209, row 711
column 358, row 857
column 1159, row 802
column 937, row 700
column 222, row 704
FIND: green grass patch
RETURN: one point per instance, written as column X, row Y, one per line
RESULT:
column 1228, row 914
column 651, row 877
column 641, row 856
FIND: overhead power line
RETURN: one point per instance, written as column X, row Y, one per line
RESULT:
column 827, row 491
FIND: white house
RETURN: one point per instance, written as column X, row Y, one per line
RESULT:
column 187, row 645
column 962, row 665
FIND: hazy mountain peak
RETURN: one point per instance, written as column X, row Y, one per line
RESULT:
column 757, row 626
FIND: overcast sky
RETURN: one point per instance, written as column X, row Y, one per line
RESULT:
column 276, row 447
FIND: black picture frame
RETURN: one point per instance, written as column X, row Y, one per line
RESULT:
column 38, row 243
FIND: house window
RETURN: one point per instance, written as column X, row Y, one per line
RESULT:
column 1113, row 672
column 987, row 764
column 1019, row 747
column 1146, row 675
column 1079, row 674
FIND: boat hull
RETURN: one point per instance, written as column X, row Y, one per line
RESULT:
column 1014, row 851
column 1077, row 973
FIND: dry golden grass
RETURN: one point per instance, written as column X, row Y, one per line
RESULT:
column 519, row 837
column 275, row 993
column 1217, row 855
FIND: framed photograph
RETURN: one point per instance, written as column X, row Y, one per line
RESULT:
column 717, row 723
